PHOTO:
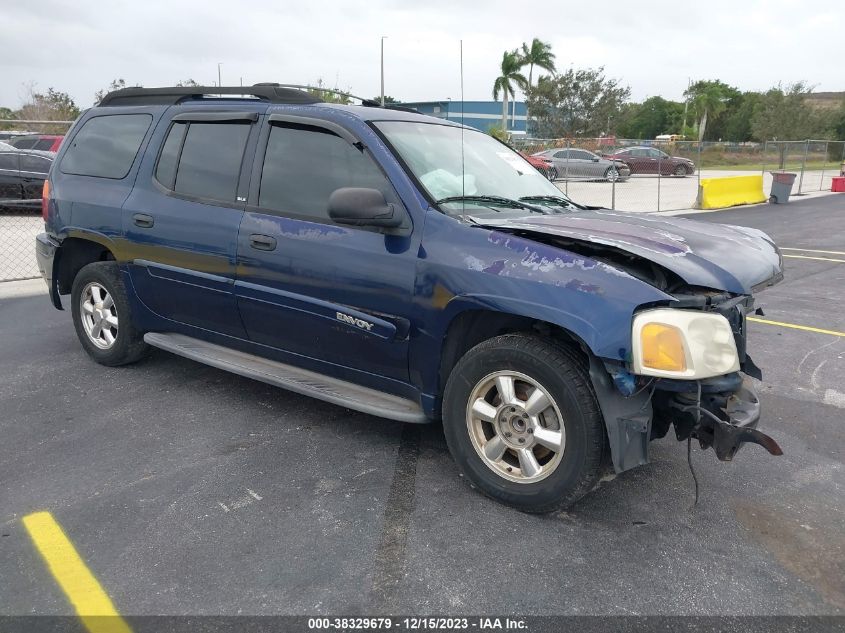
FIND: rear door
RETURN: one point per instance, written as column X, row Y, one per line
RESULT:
column 181, row 220
column 34, row 170
column 10, row 178
column 322, row 291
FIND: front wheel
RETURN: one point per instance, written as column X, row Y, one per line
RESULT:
column 680, row 170
column 611, row 175
column 522, row 422
column 101, row 316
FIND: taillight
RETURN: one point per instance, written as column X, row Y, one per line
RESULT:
column 45, row 200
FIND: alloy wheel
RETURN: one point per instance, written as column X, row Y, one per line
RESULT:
column 99, row 315
column 515, row 426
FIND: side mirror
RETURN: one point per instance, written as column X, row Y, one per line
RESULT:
column 357, row 206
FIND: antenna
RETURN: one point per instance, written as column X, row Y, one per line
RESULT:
column 463, row 170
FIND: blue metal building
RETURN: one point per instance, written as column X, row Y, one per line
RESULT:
column 478, row 114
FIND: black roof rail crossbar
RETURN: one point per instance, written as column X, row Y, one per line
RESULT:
column 170, row 96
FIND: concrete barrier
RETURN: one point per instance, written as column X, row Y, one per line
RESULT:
column 731, row 191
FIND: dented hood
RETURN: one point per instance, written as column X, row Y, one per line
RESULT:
column 730, row 258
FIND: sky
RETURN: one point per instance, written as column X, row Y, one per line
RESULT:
column 654, row 47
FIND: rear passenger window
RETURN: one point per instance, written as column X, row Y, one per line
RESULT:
column 304, row 165
column 106, row 146
column 203, row 159
column 35, row 164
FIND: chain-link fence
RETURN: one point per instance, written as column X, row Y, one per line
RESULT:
column 21, row 180
column 664, row 175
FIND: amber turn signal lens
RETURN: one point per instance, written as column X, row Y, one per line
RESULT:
column 662, row 347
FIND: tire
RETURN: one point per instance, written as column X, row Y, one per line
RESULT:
column 98, row 296
column 565, row 475
column 611, row 174
column 680, row 170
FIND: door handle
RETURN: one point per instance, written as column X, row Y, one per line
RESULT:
column 143, row 220
column 262, row 242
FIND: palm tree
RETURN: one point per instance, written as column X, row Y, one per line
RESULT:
column 539, row 54
column 511, row 65
column 707, row 99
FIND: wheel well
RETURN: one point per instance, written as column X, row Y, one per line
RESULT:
column 76, row 253
column 472, row 327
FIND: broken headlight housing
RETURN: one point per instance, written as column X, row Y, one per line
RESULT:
column 685, row 344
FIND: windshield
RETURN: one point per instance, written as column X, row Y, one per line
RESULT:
column 490, row 169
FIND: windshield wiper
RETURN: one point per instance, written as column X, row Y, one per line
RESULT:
column 505, row 202
column 560, row 201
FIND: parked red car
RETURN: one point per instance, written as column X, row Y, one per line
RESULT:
column 543, row 165
column 41, row 142
column 647, row 160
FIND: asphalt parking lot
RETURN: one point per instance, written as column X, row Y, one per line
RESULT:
column 187, row 490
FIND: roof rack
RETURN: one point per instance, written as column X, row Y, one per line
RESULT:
column 272, row 93
column 370, row 103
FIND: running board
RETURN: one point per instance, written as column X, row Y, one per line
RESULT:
column 308, row 383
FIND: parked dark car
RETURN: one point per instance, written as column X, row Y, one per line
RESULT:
column 583, row 164
column 22, row 176
column 424, row 272
column 43, row 142
column 649, row 160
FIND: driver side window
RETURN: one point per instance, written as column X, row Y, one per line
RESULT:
column 303, row 165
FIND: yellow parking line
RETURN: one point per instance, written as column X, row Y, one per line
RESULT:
column 810, row 250
column 823, row 259
column 797, row 327
column 92, row 605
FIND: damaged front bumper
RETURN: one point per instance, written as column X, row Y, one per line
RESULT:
column 721, row 413
column 723, row 419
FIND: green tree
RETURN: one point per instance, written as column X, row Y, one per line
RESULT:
column 708, row 100
column 839, row 123
column 784, row 114
column 735, row 122
column 510, row 75
column 653, row 116
column 52, row 105
column 577, row 103
column 539, row 54
column 387, row 99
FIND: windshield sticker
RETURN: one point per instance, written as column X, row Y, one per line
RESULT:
column 514, row 161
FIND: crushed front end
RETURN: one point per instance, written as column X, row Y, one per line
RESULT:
column 689, row 369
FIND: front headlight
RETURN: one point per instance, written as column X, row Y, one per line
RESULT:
column 674, row 343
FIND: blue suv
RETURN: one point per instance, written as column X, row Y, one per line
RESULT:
column 407, row 267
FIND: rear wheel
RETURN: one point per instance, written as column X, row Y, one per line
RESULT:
column 522, row 422
column 101, row 316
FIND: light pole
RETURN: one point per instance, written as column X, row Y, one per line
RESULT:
column 383, row 37
column 219, row 64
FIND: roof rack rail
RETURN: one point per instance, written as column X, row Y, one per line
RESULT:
column 273, row 93
column 370, row 103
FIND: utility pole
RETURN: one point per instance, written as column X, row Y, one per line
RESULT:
column 383, row 37
column 219, row 64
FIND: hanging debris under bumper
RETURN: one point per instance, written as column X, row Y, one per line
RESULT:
column 723, row 414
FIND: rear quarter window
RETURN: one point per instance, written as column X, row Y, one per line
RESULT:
column 106, row 146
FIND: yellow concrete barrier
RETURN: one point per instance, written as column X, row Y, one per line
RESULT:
column 718, row 193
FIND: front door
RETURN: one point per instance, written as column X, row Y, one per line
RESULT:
column 181, row 221
column 337, row 295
